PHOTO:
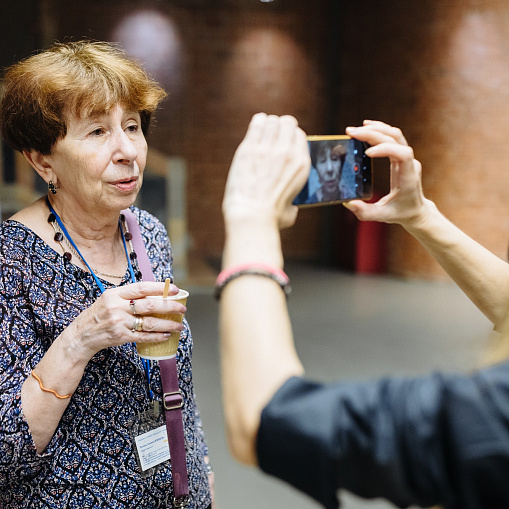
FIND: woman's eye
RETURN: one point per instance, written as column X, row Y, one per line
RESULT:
column 132, row 128
column 97, row 132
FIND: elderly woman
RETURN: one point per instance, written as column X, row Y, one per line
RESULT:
column 327, row 157
column 74, row 393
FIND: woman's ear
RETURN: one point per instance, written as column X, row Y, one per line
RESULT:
column 40, row 164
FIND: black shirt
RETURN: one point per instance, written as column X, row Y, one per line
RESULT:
column 437, row 439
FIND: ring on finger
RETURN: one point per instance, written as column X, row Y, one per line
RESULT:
column 133, row 308
column 137, row 324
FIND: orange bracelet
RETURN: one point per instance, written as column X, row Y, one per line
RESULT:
column 67, row 396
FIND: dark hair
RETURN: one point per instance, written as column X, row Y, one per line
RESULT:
column 79, row 78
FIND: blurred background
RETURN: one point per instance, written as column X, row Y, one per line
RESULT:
column 439, row 70
column 436, row 69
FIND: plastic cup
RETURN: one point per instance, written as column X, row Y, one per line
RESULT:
column 166, row 349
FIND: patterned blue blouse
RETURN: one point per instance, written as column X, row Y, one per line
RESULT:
column 89, row 462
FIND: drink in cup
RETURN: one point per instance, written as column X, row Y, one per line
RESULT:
column 168, row 348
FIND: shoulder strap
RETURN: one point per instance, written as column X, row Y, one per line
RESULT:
column 139, row 245
column 172, row 397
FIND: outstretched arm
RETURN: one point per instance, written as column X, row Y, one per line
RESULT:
column 269, row 168
column 483, row 276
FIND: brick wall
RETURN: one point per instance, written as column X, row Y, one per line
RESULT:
column 439, row 70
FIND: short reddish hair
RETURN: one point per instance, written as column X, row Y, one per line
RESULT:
column 80, row 78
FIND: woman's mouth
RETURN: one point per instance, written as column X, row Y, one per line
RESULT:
column 125, row 185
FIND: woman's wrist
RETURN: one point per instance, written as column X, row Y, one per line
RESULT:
column 437, row 234
column 72, row 350
column 247, row 243
column 423, row 220
column 250, row 220
column 56, row 374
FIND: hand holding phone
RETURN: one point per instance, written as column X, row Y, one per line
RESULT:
column 340, row 171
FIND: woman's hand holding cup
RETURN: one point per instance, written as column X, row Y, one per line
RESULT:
column 125, row 315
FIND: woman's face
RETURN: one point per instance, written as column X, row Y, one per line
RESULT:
column 328, row 166
column 99, row 163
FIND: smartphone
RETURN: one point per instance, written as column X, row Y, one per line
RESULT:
column 340, row 171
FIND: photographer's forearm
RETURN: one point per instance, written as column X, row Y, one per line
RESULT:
column 483, row 276
column 258, row 353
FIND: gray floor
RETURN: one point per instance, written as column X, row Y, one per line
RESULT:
column 345, row 326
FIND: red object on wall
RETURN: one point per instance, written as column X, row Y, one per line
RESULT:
column 371, row 246
column 358, row 246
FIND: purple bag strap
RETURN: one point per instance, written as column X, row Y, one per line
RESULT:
column 172, row 397
column 172, row 402
column 139, row 245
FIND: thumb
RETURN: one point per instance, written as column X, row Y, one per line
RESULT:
column 289, row 217
column 354, row 206
column 363, row 211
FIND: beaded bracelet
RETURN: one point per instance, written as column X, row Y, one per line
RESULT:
column 254, row 269
column 51, row 391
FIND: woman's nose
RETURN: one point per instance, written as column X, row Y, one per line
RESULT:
column 125, row 150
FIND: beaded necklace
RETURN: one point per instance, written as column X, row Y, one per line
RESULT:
column 59, row 237
column 62, row 235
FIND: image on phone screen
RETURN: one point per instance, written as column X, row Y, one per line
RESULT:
column 340, row 171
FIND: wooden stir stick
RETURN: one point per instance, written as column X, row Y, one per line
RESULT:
column 166, row 287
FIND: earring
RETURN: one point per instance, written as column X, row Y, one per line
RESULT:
column 52, row 187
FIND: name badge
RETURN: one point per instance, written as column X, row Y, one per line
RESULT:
column 152, row 447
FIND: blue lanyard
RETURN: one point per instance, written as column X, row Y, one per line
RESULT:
column 146, row 363
column 97, row 280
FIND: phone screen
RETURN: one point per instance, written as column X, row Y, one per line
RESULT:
column 340, row 171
